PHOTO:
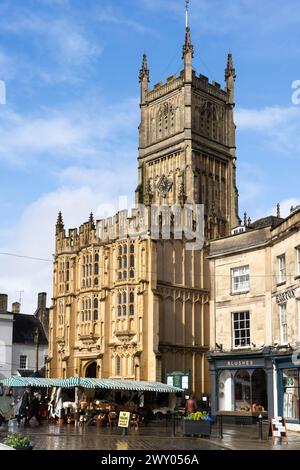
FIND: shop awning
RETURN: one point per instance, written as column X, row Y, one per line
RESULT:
column 118, row 384
column 108, row 384
column 37, row 382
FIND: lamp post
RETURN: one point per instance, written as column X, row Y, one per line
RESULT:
column 260, row 421
column 36, row 342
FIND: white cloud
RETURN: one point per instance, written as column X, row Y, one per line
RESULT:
column 33, row 235
column 266, row 119
column 93, row 152
column 67, row 43
column 279, row 126
column 79, row 131
column 285, row 206
column 107, row 16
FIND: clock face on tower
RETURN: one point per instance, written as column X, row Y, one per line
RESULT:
column 164, row 186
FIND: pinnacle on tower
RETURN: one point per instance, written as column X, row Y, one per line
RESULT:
column 230, row 70
column 188, row 47
column 91, row 222
column 59, row 223
column 278, row 211
column 144, row 71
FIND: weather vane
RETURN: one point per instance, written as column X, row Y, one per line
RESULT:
column 187, row 4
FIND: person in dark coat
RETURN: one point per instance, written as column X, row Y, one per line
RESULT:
column 24, row 406
column 34, row 409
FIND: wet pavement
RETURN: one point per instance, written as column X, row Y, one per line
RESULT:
column 155, row 436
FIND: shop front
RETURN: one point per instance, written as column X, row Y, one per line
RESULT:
column 241, row 384
column 288, row 389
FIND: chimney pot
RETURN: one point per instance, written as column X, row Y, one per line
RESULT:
column 3, row 303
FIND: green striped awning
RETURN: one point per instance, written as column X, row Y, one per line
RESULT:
column 109, row 384
column 118, row 384
column 16, row 381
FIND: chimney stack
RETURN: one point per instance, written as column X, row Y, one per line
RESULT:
column 16, row 307
column 3, row 303
column 42, row 299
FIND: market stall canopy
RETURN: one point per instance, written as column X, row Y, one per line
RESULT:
column 118, row 384
column 109, row 384
column 37, row 382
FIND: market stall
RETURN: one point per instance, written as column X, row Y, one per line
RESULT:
column 89, row 400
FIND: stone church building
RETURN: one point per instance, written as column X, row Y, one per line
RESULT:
column 137, row 306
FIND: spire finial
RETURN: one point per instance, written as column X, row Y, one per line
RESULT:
column 144, row 71
column 230, row 70
column 187, row 4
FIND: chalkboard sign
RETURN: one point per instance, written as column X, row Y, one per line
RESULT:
column 277, row 428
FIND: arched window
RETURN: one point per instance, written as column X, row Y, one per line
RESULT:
column 96, row 314
column 125, row 262
column 119, row 275
column 90, row 269
column 124, row 310
column 96, row 282
column 82, row 316
column 131, row 297
column 118, row 365
column 120, row 263
column 96, row 257
column 120, row 250
column 132, row 261
column 96, row 303
column 125, row 249
column 124, row 298
column 90, row 303
column 119, row 311
column 131, row 274
column 124, row 274
column 119, row 298
column 131, row 309
column 132, row 248
column 96, row 269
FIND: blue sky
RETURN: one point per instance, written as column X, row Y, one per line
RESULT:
column 68, row 131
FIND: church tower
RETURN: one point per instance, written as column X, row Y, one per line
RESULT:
column 187, row 143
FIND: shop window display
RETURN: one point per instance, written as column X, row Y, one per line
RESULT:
column 291, row 394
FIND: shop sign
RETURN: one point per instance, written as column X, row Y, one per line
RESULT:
column 285, row 296
column 277, row 428
column 240, row 363
column 124, row 418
